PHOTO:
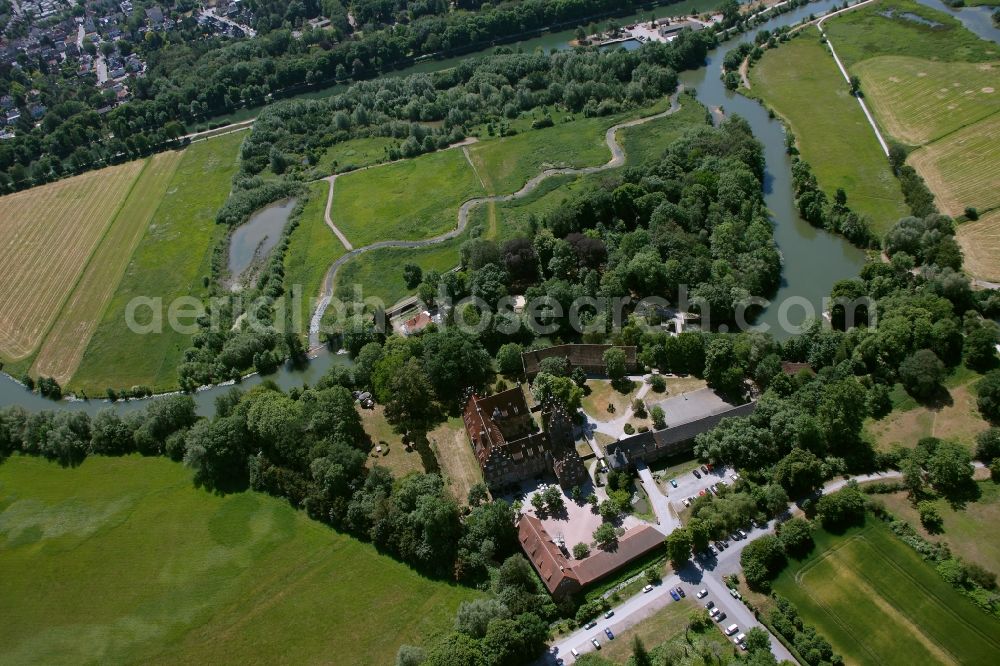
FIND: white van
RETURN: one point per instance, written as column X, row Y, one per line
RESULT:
column 575, row 653
column 740, row 638
column 731, row 629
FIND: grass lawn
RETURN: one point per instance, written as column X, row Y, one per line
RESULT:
column 602, row 394
column 908, row 423
column 63, row 348
column 454, row 454
column 170, row 261
column 660, row 627
column 50, row 233
column 980, row 241
column 407, row 200
column 879, row 603
column 394, row 455
column 801, row 82
column 968, row 531
column 354, row 154
column 918, row 101
column 866, row 33
column 646, row 142
column 312, row 249
column 123, row 560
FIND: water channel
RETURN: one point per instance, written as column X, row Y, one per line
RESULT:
column 813, row 260
column 253, row 241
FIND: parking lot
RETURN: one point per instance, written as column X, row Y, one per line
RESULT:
column 689, row 485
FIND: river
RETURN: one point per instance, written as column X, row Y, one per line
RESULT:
column 813, row 260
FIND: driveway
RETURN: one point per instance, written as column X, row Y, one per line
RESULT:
column 666, row 518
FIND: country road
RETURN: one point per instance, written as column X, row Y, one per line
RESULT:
column 617, row 160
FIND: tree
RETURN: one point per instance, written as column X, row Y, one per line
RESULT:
column 980, row 347
column 929, row 517
column 562, row 389
column 454, row 360
column 412, row 275
column 554, row 499
column 509, row 360
column 679, row 543
column 478, row 494
column 800, row 472
column 410, row 655
column 474, row 617
column 950, row 468
column 922, row 373
column 842, row 508
column 614, row 363
column 761, row 560
column 757, row 640
column 988, row 396
column 605, row 535
column 581, row 550
column 538, row 502
column 796, row 537
column 652, row 575
column 658, row 416
column 411, row 407
column 987, row 445
column 855, row 86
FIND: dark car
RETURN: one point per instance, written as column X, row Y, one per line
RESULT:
column 704, row 470
column 696, row 473
column 674, row 594
column 680, row 591
column 611, row 636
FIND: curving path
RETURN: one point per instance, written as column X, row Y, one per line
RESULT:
column 617, row 160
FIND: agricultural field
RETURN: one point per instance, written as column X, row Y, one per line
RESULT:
column 50, row 234
column 919, row 101
column 877, row 602
column 407, row 200
column 124, row 560
column 312, row 249
column 172, row 260
column 64, row 346
column 801, row 83
column 980, row 242
column 963, row 169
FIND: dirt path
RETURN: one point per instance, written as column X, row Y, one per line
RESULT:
column 617, row 160
column 744, row 72
column 326, row 214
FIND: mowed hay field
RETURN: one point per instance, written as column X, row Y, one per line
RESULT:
column 801, row 82
column 980, row 241
column 123, row 560
column 918, row 101
column 171, row 261
column 879, row 603
column 407, row 200
column 63, row 347
column 49, row 234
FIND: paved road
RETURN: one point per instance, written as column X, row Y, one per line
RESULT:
column 666, row 518
column 617, row 160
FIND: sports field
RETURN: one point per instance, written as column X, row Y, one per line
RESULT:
column 801, row 82
column 172, row 260
column 312, row 249
column 63, row 347
column 407, row 200
column 879, row 603
column 50, row 233
column 919, row 100
column 980, row 241
column 122, row 560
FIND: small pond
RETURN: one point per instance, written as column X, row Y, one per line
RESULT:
column 258, row 236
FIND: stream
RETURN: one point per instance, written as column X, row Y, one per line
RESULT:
column 813, row 260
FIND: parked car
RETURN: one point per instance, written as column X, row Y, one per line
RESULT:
column 743, row 535
column 674, row 594
column 734, row 593
column 714, row 611
column 719, row 545
column 732, row 629
column 609, row 614
column 696, row 473
column 574, row 652
column 597, row 646
column 734, row 537
column 720, row 617
column 740, row 638
column 648, row 588
column 709, row 604
column 673, row 482
column 713, row 550
column 734, row 476
column 709, row 466
column 611, row 635
column 590, row 625
column 704, row 470
column 702, row 594
column 680, row 591
column 687, row 502
column 701, row 493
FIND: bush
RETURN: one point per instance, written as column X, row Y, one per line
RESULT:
column 629, row 429
column 988, row 396
column 581, row 550
column 658, row 383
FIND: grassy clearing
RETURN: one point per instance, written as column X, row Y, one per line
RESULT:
column 801, row 82
column 406, row 200
column 918, row 101
column 602, row 394
column 980, row 241
column 66, row 342
column 454, row 454
column 50, row 233
column 959, row 421
column 355, row 154
column 963, row 169
column 966, row 530
column 170, row 262
column 866, row 33
column 312, row 249
column 123, row 560
column 646, row 142
column 393, row 455
column 664, row 625
column 879, row 603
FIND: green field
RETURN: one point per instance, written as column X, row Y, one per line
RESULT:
column 866, row 33
column 354, row 154
column 801, row 82
column 122, row 560
column 170, row 261
column 407, row 200
column 646, row 142
column 312, row 249
column 919, row 101
column 879, row 603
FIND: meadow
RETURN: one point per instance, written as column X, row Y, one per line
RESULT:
column 457, row 461
column 124, row 560
column 801, row 83
column 354, row 154
column 646, row 142
column 63, row 348
column 406, row 200
column 311, row 250
column 50, row 233
column 877, row 602
column 173, row 259
column 919, row 101
column 980, row 242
